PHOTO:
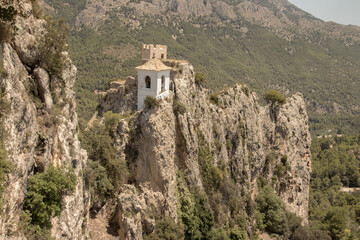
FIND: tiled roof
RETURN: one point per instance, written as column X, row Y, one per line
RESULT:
column 153, row 65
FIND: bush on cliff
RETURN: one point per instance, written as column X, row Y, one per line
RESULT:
column 43, row 199
column 7, row 16
column 179, row 108
column 5, row 168
column 105, row 171
column 200, row 78
column 151, row 102
column 53, row 44
column 273, row 97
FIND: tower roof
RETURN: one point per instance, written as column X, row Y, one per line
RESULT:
column 153, row 65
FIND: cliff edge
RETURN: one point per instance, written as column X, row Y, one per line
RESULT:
column 197, row 144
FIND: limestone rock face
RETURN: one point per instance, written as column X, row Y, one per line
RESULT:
column 40, row 126
column 240, row 133
column 134, row 209
column 120, row 98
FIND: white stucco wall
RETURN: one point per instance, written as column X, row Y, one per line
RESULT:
column 155, row 88
column 167, row 81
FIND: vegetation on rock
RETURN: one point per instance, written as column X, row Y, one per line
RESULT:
column 214, row 99
column 336, row 163
column 53, row 44
column 105, row 171
column 271, row 216
column 5, row 168
column 166, row 229
column 43, row 199
column 248, row 53
column 151, row 102
column 274, row 97
column 200, row 78
column 7, row 16
column 179, row 108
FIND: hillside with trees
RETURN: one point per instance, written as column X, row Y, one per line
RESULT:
column 264, row 44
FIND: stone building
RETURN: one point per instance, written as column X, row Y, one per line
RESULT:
column 153, row 80
column 150, row 52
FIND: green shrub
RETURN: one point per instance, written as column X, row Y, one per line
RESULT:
column 237, row 234
column 53, row 44
column 33, row 231
column 281, row 169
column 218, row 234
column 179, row 108
column 210, row 174
column 200, row 78
column 272, row 214
column 273, row 97
column 245, row 90
column 111, row 120
column 218, row 144
column 214, row 99
column 5, row 168
column 7, row 17
column 269, row 161
column 44, row 194
column 194, row 212
column 100, row 186
column 151, row 102
column 7, row 14
column 102, row 155
column 166, row 229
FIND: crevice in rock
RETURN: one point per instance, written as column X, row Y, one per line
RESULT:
column 180, row 146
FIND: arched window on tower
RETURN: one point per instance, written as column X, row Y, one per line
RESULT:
column 148, row 82
column 163, row 83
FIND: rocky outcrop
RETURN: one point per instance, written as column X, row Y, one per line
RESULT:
column 40, row 123
column 120, row 98
column 245, row 139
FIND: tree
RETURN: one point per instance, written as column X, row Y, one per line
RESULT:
column 273, row 214
column 44, row 194
column 200, row 78
column 273, row 97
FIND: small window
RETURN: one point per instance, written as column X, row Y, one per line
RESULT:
column 162, row 56
column 148, row 82
column 163, row 83
column 153, row 55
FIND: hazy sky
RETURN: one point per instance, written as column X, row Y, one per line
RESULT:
column 340, row 11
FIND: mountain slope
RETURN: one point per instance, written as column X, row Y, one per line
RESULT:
column 265, row 44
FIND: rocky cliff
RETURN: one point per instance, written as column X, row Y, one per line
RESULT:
column 193, row 151
column 39, row 124
column 165, row 148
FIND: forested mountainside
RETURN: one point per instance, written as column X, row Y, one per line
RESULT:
column 263, row 43
column 335, row 187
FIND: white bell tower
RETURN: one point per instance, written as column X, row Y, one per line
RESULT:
column 153, row 80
